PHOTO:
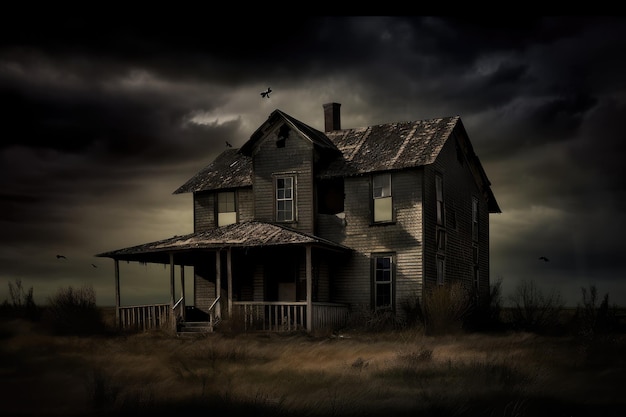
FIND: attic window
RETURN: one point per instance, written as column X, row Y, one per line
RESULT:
column 283, row 134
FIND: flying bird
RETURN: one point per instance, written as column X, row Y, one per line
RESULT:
column 266, row 94
column 228, row 144
column 543, row 258
column 61, row 257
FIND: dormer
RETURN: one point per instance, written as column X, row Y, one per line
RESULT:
column 285, row 153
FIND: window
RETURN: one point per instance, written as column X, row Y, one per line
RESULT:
column 284, row 199
column 474, row 218
column 383, row 202
column 476, row 270
column 476, row 281
column 383, row 281
column 439, row 193
column 441, row 240
column 226, row 209
column 441, row 270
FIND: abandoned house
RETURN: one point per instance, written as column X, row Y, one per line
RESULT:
column 298, row 229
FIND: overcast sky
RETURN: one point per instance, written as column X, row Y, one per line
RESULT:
column 100, row 124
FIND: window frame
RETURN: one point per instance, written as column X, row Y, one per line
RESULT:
column 441, row 237
column 476, row 268
column 440, row 207
column 218, row 207
column 291, row 200
column 475, row 219
column 377, row 284
column 386, row 195
column 441, row 270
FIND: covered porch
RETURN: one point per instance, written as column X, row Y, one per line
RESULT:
column 250, row 276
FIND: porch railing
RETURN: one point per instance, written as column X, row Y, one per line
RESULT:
column 281, row 316
column 145, row 317
column 277, row 316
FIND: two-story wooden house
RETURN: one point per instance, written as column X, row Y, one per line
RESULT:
column 299, row 228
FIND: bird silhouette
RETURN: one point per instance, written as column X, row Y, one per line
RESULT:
column 266, row 93
column 543, row 258
column 61, row 257
column 228, row 144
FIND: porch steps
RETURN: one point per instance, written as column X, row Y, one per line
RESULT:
column 195, row 327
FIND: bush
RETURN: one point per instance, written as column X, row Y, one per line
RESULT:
column 592, row 319
column 532, row 310
column 486, row 313
column 446, row 307
column 22, row 303
column 74, row 311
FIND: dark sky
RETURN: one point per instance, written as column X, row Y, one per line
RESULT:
column 103, row 119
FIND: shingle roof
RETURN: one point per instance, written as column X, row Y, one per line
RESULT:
column 244, row 234
column 389, row 146
column 376, row 148
column 229, row 170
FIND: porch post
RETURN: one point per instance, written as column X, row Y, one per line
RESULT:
column 309, row 290
column 229, row 271
column 172, row 291
column 182, row 289
column 218, row 282
column 117, row 293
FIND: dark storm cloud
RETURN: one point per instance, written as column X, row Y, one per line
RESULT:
column 103, row 119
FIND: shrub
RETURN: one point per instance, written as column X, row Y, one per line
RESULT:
column 362, row 318
column 22, row 303
column 593, row 319
column 486, row 313
column 532, row 310
column 74, row 311
column 446, row 307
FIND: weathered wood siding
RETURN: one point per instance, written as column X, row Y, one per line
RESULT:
column 459, row 186
column 204, row 284
column 203, row 211
column 245, row 204
column 321, row 276
column 352, row 284
column 295, row 158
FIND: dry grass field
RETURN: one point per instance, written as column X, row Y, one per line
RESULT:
column 393, row 373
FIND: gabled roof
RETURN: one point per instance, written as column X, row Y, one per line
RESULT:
column 384, row 147
column 239, row 235
column 317, row 138
column 229, row 170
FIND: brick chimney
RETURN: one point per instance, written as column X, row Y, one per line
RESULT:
column 332, row 117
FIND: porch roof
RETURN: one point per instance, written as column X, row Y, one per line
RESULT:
column 239, row 235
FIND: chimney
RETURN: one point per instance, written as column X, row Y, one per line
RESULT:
column 332, row 117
